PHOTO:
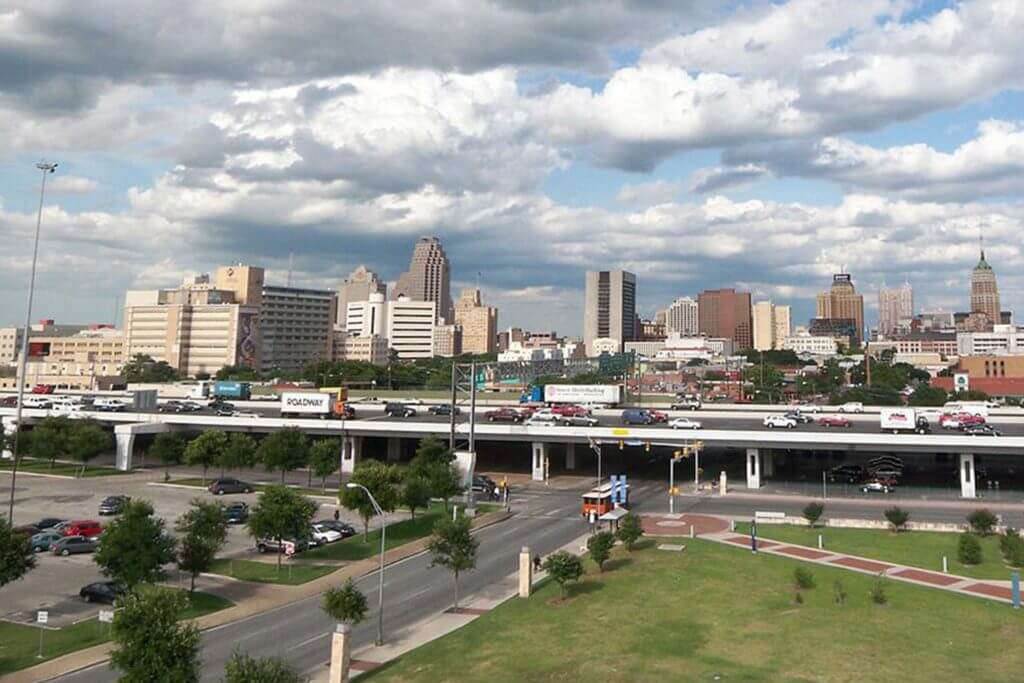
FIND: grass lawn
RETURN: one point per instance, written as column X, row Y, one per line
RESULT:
column 19, row 644
column 915, row 548
column 66, row 469
column 715, row 612
column 399, row 533
column 291, row 574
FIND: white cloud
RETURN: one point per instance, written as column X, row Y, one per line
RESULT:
column 71, row 184
column 647, row 194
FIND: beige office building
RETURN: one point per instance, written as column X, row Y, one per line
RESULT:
column 479, row 323
column 842, row 302
column 447, row 340
column 91, row 359
column 771, row 325
column 358, row 286
column 371, row 348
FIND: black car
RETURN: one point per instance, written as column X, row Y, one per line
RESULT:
column 219, row 487
column 981, row 430
column 484, row 486
column 102, row 591
column 444, row 409
column 169, row 407
column 74, row 545
column 236, row 513
column 346, row 530
column 221, row 404
column 48, row 523
column 801, row 418
column 113, row 505
column 399, row 410
column 846, row 474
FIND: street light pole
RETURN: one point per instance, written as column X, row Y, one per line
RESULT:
column 46, row 169
column 380, row 590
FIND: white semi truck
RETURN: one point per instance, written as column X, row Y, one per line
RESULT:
column 595, row 394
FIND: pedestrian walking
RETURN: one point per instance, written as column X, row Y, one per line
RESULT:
column 337, row 515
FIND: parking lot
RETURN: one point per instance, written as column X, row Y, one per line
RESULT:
column 54, row 583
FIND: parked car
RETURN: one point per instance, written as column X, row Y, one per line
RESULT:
column 102, row 591
column 636, row 417
column 322, row 534
column 779, row 421
column 399, row 410
column 846, row 474
column 875, row 487
column 48, row 523
column 236, row 513
column 444, row 409
column 346, row 530
column 579, row 421
column 73, row 545
column 834, row 421
column 219, row 487
column 981, row 430
column 484, row 486
column 799, row 418
column 44, row 540
column 26, row 529
column 82, row 527
column 504, row 415
column 684, row 423
column 851, row 407
column 112, row 505
column 285, row 545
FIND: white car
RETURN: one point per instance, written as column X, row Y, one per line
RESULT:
column 805, row 408
column 781, row 421
column 542, row 418
column 684, row 423
column 322, row 534
column 579, row 421
column 852, row 407
column 36, row 402
column 410, row 401
column 245, row 414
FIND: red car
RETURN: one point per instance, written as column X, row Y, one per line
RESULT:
column 569, row 410
column 834, row 421
column 43, row 389
column 504, row 415
column 658, row 416
column 83, row 527
column 960, row 420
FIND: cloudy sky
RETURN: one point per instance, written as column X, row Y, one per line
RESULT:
column 700, row 145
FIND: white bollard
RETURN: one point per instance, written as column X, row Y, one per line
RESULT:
column 945, row 565
column 821, row 543
column 525, row 572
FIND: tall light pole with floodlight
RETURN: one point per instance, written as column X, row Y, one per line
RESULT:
column 380, row 590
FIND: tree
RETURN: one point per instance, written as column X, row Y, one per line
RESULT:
column 982, row 521
column 415, row 493
column 237, row 373
column 813, row 512
column 599, row 547
column 897, row 517
column 86, row 441
column 242, row 668
column 50, row 439
column 169, row 449
column 135, row 546
column 563, row 567
column 150, row 645
column 453, row 546
column 142, row 369
column 445, row 482
column 968, row 549
column 381, row 480
column 239, row 451
column 324, row 458
column 1012, row 547
column 281, row 513
column 16, row 557
column 345, row 604
column 630, row 531
column 925, row 396
column 285, row 450
column 203, row 530
column 431, row 449
column 205, row 450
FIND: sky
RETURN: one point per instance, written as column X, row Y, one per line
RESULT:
column 757, row 145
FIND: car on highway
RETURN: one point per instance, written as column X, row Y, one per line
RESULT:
column 171, row 406
column 346, row 530
column 444, row 409
column 9, row 402
column 658, row 416
column 236, row 512
column 504, row 415
column 543, row 418
column 579, row 421
column 399, row 410
column 875, row 487
column 82, row 527
column 636, row 417
column 220, row 403
column 981, row 430
column 851, row 407
column 102, row 591
column 74, row 545
column 246, row 414
column 684, row 423
column 778, row 422
column 805, row 407
column 219, row 487
column 113, row 505
column 570, row 410
column 834, row 421
column 108, row 405
column 44, row 540
column 322, row 534
column 687, row 404
column 411, row 401
column 799, row 418
column 36, row 402
column 959, row 420
column 221, row 411
column 846, row 474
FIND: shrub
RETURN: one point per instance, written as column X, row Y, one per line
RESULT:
column 982, row 521
column 878, row 595
column 798, row 598
column 838, row 592
column 813, row 512
column 630, row 530
column 803, row 578
column 1012, row 547
column 968, row 549
column 897, row 517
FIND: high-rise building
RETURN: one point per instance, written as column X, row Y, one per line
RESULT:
column 682, row 317
column 447, row 340
column 245, row 281
column 479, row 323
column 295, row 327
column 726, row 313
column 609, row 307
column 895, row 309
column 842, row 302
column 358, row 286
column 984, row 291
column 428, row 277
column 771, row 325
column 366, row 349
column 407, row 325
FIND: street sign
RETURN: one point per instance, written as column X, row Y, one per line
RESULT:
column 42, row 616
column 106, row 616
column 618, row 489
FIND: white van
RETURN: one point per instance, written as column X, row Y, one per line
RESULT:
column 851, row 407
column 978, row 408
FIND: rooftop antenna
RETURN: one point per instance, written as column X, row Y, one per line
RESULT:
column 291, row 261
column 981, row 242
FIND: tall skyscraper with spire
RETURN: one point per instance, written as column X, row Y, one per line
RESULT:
column 428, row 277
column 984, row 291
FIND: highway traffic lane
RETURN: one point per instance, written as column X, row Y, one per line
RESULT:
column 413, row 591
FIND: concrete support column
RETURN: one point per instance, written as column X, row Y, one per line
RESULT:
column 351, row 451
column 124, row 435
column 968, row 476
column 525, row 572
column 723, row 482
column 394, row 449
column 767, row 463
column 9, row 427
column 753, row 469
column 540, row 455
column 570, row 456
column 341, row 654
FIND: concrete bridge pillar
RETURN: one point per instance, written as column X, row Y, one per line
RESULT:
column 570, row 456
column 124, row 435
column 767, row 463
column 540, row 452
column 351, row 450
column 968, row 476
column 753, row 468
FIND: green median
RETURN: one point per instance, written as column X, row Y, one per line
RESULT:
column 61, row 468
column 289, row 574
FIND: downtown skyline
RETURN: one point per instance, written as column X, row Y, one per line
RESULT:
column 531, row 164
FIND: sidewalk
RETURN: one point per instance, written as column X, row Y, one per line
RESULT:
column 716, row 529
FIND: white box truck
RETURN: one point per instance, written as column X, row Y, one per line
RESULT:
column 313, row 404
column 897, row 420
column 598, row 394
